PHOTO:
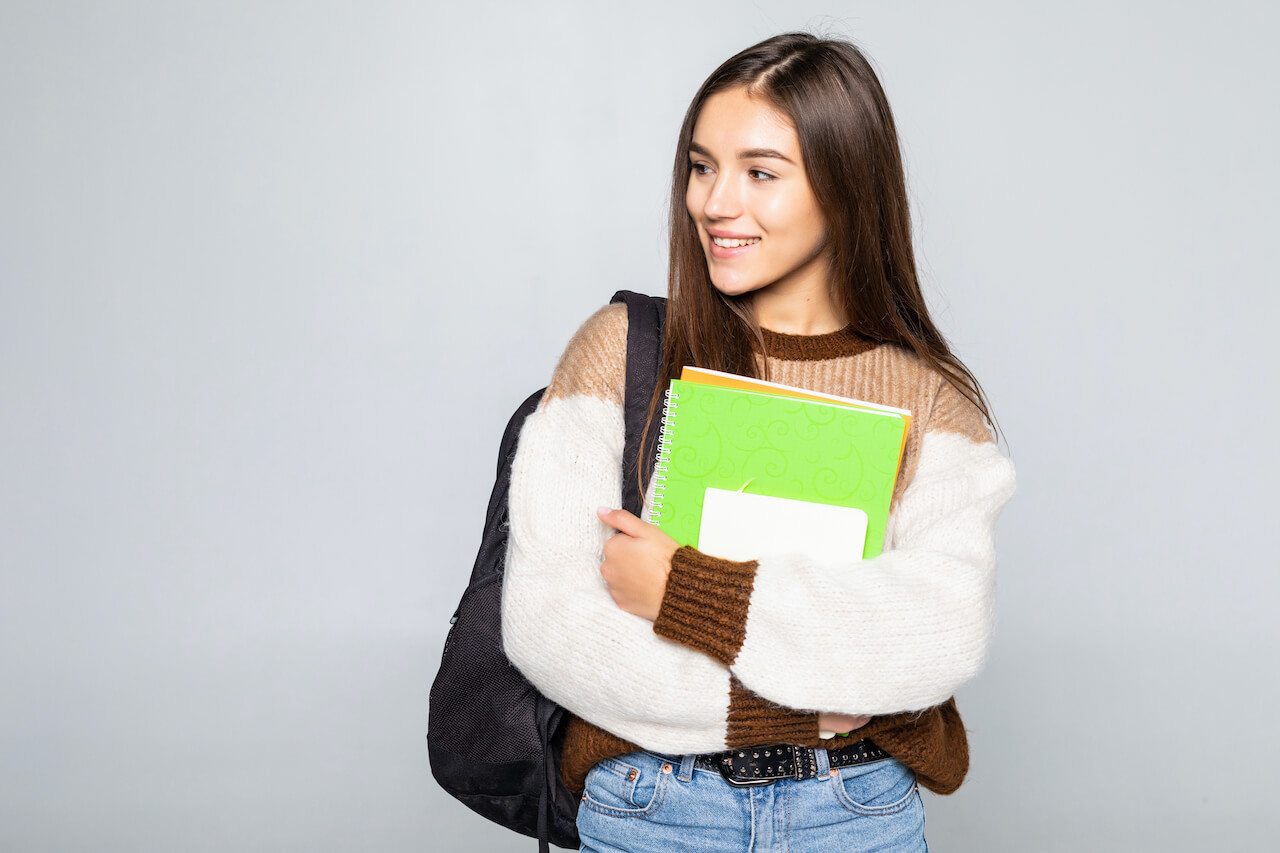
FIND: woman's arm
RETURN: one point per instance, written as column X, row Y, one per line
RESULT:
column 898, row 632
column 560, row 626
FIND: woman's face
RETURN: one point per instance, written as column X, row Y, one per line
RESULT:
column 749, row 196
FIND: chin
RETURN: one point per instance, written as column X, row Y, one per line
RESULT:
column 730, row 285
column 735, row 287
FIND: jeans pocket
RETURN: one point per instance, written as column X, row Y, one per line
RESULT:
column 627, row 786
column 880, row 788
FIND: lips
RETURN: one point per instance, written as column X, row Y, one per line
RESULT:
column 734, row 242
column 725, row 245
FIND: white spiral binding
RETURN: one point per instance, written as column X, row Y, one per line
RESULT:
column 664, row 454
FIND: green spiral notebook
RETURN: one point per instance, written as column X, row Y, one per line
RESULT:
column 759, row 473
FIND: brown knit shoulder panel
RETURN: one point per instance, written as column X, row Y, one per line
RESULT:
column 953, row 412
column 594, row 363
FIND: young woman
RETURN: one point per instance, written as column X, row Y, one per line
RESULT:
column 690, row 675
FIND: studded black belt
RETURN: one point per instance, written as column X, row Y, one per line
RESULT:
column 761, row 765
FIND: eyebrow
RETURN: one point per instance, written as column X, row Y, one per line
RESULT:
column 747, row 154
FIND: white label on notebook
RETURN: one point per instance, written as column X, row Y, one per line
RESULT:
column 741, row 526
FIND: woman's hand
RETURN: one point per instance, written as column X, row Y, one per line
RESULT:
column 636, row 562
column 839, row 724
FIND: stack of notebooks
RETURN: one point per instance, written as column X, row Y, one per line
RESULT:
column 749, row 469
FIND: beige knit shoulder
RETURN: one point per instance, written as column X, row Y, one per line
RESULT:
column 594, row 363
column 938, row 404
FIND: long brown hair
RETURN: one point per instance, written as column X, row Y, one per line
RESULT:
column 849, row 145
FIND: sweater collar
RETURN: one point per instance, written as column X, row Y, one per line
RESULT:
column 843, row 342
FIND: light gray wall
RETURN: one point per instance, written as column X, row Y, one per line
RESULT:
column 273, row 275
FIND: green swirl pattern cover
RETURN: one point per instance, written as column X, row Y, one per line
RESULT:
column 774, row 445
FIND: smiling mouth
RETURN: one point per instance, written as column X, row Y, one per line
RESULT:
column 734, row 243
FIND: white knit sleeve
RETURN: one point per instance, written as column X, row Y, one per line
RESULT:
column 901, row 631
column 560, row 626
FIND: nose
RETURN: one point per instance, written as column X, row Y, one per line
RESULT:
column 724, row 201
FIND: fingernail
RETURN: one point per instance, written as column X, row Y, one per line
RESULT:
column 603, row 510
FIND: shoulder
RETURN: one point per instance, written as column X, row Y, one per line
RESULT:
column 594, row 363
column 954, row 413
column 951, row 453
column 940, row 406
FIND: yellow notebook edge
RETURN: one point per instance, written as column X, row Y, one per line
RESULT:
column 706, row 376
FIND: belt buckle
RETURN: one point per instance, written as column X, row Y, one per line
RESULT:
column 726, row 771
column 742, row 783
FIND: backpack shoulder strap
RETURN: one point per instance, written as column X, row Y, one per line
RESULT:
column 646, row 317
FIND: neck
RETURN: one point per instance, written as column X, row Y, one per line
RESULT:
column 798, row 314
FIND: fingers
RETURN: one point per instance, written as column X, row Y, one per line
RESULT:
column 841, row 723
column 622, row 521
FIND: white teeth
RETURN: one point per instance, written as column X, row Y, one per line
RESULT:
column 733, row 243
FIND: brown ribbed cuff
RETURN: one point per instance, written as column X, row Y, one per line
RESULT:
column 705, row 605
column 755, row 721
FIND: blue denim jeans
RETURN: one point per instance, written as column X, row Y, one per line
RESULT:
column 645, row 802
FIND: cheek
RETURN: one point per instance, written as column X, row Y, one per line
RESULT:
column 782, row 217
column 694, row 199
column 795, row 217
column 817, row 229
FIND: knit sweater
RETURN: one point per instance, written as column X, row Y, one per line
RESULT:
column 749, row 653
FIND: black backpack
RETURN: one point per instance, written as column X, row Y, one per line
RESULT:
column 493, row 739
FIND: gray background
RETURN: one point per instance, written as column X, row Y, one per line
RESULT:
column 273, row 275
